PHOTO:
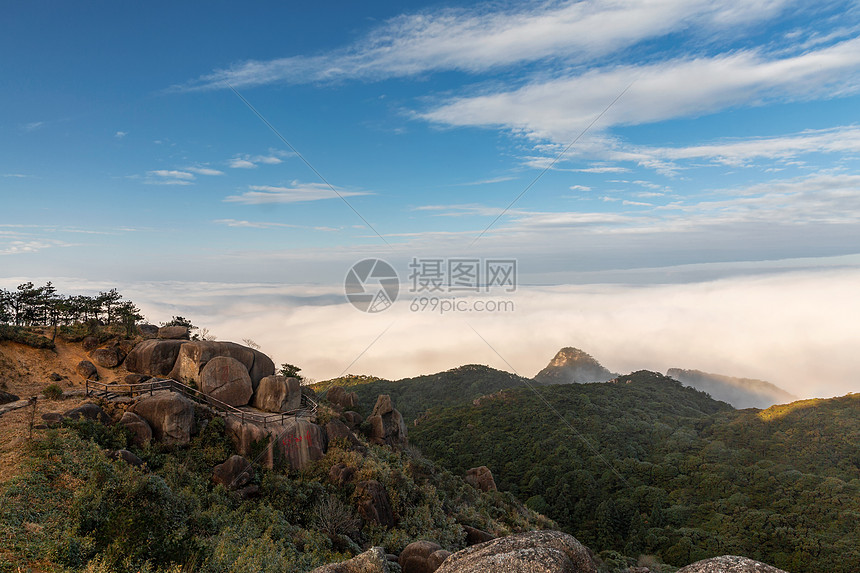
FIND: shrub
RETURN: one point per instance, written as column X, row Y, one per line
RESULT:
column 52, row 392
column 25, row 336
column 333, row 517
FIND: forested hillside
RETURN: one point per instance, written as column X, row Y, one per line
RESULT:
column 414, row 396
column 645, row 465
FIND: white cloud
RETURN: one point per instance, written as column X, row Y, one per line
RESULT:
column 262, row 194
column 558, row 109
column 120, row 134
column 246, row 161
column 789, row 328
column 486, row 37
column 579, row 188
column 33, row 126
column 250, row 224
column 169, row 177
column 29, row 246
column 204, row 171
column 238, row 163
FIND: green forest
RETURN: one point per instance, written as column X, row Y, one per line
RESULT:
column 645, row 465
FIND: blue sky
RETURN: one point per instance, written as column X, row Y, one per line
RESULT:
column 125, row 156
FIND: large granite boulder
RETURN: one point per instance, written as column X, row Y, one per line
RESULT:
column 481, row 478
column 475, row 536
column 234, row 473
column 371, row 561
column 6, row 397
column 147, row 330
column 87, row 370
column 226, row 379
column 293, row 442
column 337, row 430
column 263, row 366
column 88, row 411
column 729, row 564
column 278, row 394
column 531, row 552
column 193, row 357
column 173, row 333
column 373, row 503
column 340, row 397
column 422, row 557
column 109, row 357
column 154, row 357
column 386, row 424
column 89, row 343
column 141, row 433
column 352, row 420
column 170, row 415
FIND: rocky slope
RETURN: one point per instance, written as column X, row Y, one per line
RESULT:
column 571, row 365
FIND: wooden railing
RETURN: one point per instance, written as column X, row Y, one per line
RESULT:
column 93, row 388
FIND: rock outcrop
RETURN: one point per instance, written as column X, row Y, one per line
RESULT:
column 6, row 397
column 531, row 552
column 262, row 367
column 87, row 370
column 173, row 333
column 337, row 430
column 141, row 432
column 573, row 365
column 371, row 561
column 729, row 564
column 422, row 557
column 226, row 379
column 341, row 474
column 89, row 343
column 147, row 330
column 89, row 411
column 109, row 357
column 386, row 424
column 194, row 356
column 352, row 420
column 481, row 478
column 154, row 357
column 233, row 474
column 475, row 536
column 294, row 442
column 278, row 394
column 340, row 397
column 373, row 503
column 170, row 415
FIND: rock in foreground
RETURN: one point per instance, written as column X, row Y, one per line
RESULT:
column 371, row 561
column 729, row 564
column 171, row 417
column 531, row 552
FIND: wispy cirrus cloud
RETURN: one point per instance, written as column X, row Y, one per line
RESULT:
column 251, row 224
column 205, row 171
column 295, row 193
column 247, row 161
column 547, row 109
column 488, row 37
column 168, row 177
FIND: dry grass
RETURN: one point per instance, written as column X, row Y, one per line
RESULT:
column 24, row 371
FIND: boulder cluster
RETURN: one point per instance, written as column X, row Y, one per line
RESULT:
column 530, row 552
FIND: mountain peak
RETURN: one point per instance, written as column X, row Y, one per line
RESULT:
column 573, row 365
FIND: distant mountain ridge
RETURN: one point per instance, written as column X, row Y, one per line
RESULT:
column 573, row 365
column 739, row 392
